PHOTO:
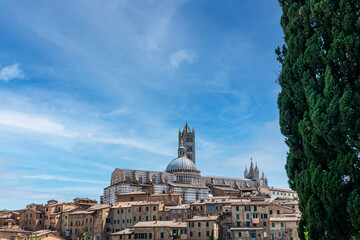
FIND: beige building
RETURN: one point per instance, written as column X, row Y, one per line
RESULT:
column 12, row 233
column 32, row 218
column 80, row 222
column 53, row 212
column 125, row 234
column 284, row 227
column 120, row 217
column 160, row 230
column 199, row 228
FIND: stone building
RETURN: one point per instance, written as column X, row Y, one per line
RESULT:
column 180, row 176
column 203, row 227
column 158, row 230
column 32, row 218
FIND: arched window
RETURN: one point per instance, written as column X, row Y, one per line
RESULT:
column 197, row 194
column 116, row 179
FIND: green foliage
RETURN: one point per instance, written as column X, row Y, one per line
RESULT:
column 319, row 107
column 83, row 236
column 35, row 237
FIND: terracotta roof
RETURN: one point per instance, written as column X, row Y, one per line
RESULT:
column 160, row 224
column 99, row 207
column 81, row 212
column 202, row 218
column 14, row 230
column 126, row 231
column 284, row 219
column 245, row 228
column 183, row 206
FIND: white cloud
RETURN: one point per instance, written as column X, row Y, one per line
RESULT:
column 11, row 72
column 33, row 123
column 181, row 56
column 43, row 125
column 63, row 179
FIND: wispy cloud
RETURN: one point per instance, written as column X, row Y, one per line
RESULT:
column 10, row 72
column 33, row 123
column 181, row 56
column 45, row 125
column 64, row 179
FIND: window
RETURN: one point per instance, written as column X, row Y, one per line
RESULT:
column 248, row 224
column 191, row 234
column 154, row 218
column 150, row 235
column 134, row 219
column 199, row 234
column 162, row 235
column 211, row 207
column 160, row 218
column 237, row 208
column 131, row 199
column 272, row 236
column 255, row 215
column 167, row 218
column 199, row 224
column 239, row 234
column 122, row 211
column 237, row 216
column 247, row 216
column 278, row 211
column 264, row 224
column 147, row 218
column 139, row 218
column 154, row 208
column 247, row 208
column 207, row 224
column 272, row 225
column 114, row 221
column 173, row 211
column 270, row 212
column 147, row 208
column 207, row 233
column 255, row 208
column 282, row 225
column 238, row 224
column 116, row 179
column 280, row 235
column 139, row 209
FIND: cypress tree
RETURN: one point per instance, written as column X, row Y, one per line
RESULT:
column 319, row 106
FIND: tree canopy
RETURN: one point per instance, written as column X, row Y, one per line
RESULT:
column 319, row 106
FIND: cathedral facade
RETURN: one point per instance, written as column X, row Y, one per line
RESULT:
column 180, row 176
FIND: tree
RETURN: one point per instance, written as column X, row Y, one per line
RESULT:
column 319, row 106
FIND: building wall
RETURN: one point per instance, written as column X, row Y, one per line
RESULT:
column 32, row 220
column 199, row 230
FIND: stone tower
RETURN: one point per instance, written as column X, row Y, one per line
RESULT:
column 187, row 139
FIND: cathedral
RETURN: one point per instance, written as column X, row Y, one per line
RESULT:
column 181, row 176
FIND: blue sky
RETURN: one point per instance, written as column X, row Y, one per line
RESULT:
column 88, row 86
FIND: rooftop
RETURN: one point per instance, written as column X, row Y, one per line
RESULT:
column 171, row 224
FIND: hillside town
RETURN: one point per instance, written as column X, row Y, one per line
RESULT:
column 247, row 214
column 178, row 203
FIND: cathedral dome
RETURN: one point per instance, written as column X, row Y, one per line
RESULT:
column 181, row 163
